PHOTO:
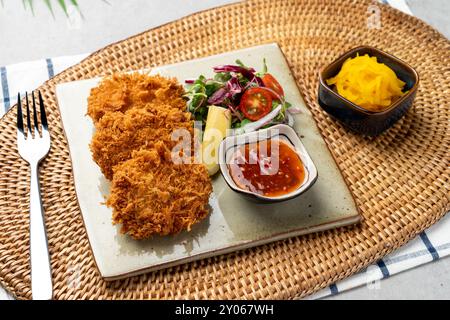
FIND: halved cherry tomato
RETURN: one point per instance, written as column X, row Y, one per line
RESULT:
column 256, row 103
column 272, row 83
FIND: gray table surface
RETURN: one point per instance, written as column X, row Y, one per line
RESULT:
column 26, row 37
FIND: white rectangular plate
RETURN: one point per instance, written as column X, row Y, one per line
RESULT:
column 234, row 223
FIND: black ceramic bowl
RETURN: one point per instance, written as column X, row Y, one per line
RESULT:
column 357, row 118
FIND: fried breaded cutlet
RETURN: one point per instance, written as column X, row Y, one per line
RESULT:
column 134, row 117
column 121, row 92
column 150, row 194
column 130, row 111
column 118, row 134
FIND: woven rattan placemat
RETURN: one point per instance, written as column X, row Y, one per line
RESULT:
column 400, row 179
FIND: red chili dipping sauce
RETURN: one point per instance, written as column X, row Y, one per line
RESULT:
column 270, row 167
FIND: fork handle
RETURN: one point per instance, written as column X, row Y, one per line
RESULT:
column 41, row 275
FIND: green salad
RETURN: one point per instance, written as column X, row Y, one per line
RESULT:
column 254, row 98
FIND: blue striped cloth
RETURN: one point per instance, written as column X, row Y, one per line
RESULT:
column 431, row 245
column 27, row 76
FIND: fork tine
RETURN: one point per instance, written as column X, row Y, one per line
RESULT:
column 19, row 114
column 35, row 119
column 28, row 117
column 42, row 109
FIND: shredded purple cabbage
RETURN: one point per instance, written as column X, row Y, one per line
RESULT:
column 219, row 96
column 248, row 73
column 234, row 87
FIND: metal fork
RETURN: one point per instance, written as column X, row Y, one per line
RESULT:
column 33, row 147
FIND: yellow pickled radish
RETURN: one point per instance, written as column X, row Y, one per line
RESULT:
column 366, row 82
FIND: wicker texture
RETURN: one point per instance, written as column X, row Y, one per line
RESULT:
column 400, row 179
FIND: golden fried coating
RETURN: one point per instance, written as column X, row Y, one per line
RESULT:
column 123, row 91
column 118, row 134
column 135, row 116
column 152, row 195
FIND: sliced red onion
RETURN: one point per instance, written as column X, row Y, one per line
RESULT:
column 258, row 80
column 235, row 112
column 259, row 123
column 233, row 85
column 294, row 110
column 290, row 119
column 189, row 81
column 280, row 98
column 248, row 73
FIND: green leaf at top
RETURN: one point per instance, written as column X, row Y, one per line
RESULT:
column 264, row 71
column 30, row 4
column 62, row 3
column 240, row 63
column 49, row 6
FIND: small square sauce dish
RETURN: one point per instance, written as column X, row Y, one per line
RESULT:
column 355, row 117
column 281, row 169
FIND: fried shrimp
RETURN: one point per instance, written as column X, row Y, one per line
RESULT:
column 152, row 195
column 135, row 116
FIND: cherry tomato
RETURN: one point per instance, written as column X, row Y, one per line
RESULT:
column 272, row 83
column 256, row 103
